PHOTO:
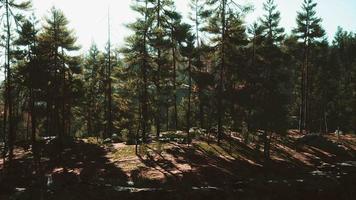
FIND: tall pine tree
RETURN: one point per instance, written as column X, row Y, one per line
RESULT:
column 308, row 30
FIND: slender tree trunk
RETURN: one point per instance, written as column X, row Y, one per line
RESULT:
column 64, row 96
column 266, row 148
column 189, row 100
column 33, row 130
column 144, row 101
column 55, row 112
column 69, row 107
column 158, row 114
column 145, row 81
column 302, row 111
column 5, row 118
column 27, row 127
column 89, row 124
column 47, row 112
column 110, row 123
column 9, row 84
column 167, row 116
column 138, row 128
column 326, row 123
column 105, row 126
column 201, row 108
column 221, row 78
column 174, row 84
column 200, row 90
column 307, row 90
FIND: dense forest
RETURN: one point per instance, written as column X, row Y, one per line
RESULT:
column 214, row 76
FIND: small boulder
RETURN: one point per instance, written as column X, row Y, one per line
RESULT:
column 107, row 141
column 115, row 138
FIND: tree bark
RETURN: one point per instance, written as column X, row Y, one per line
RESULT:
column 158, row 114
column 189, row 100
column 9, row 85
column 222, row 68
column 174, row 83
column 145, row 81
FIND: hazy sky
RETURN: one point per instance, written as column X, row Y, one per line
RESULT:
column 89, row 17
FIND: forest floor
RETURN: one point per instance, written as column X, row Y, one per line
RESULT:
column 300, row 168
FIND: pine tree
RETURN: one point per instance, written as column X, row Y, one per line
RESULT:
column 163, row 13
column 270, row 23
column 236, row 59
column 138, row 59
column 188, row 51
column 217, row 27
column 198, row 17
column 28, row 64
column 308, row 30
column 270, row 96
column 94, row 83
column 175, row 36
column 12, row 12
column 322, row 81
column 108, row 86
column 56, row 41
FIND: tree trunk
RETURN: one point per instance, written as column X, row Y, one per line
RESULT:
column 174, row 85
column 167, row 116
column 4, row 126
column 307, row 91
column 201, row 108
column 222, row 68
column 326, row 123
column 33, row 130
column 266, row 146
column 189, row 100
column 89, row 124
column 27, row 127
column 64, row 97
column 145, row 81
column 158, row 114
column 8, row 84
column 138, row 129
column 110, row 121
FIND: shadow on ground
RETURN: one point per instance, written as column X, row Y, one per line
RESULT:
column 317, row 169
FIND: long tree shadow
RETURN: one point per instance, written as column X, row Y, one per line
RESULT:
column 210, row 169
column 325, row 145
column 319, row 149
column 80, row 166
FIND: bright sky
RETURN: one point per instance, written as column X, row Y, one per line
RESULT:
column 89, row 17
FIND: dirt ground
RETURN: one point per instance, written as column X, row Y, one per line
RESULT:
column 317, row 168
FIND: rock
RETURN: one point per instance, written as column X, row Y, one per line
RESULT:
column 318, row 173
column 107, row 141
column 115, row 138
column 20, row 189
column 348, row 164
